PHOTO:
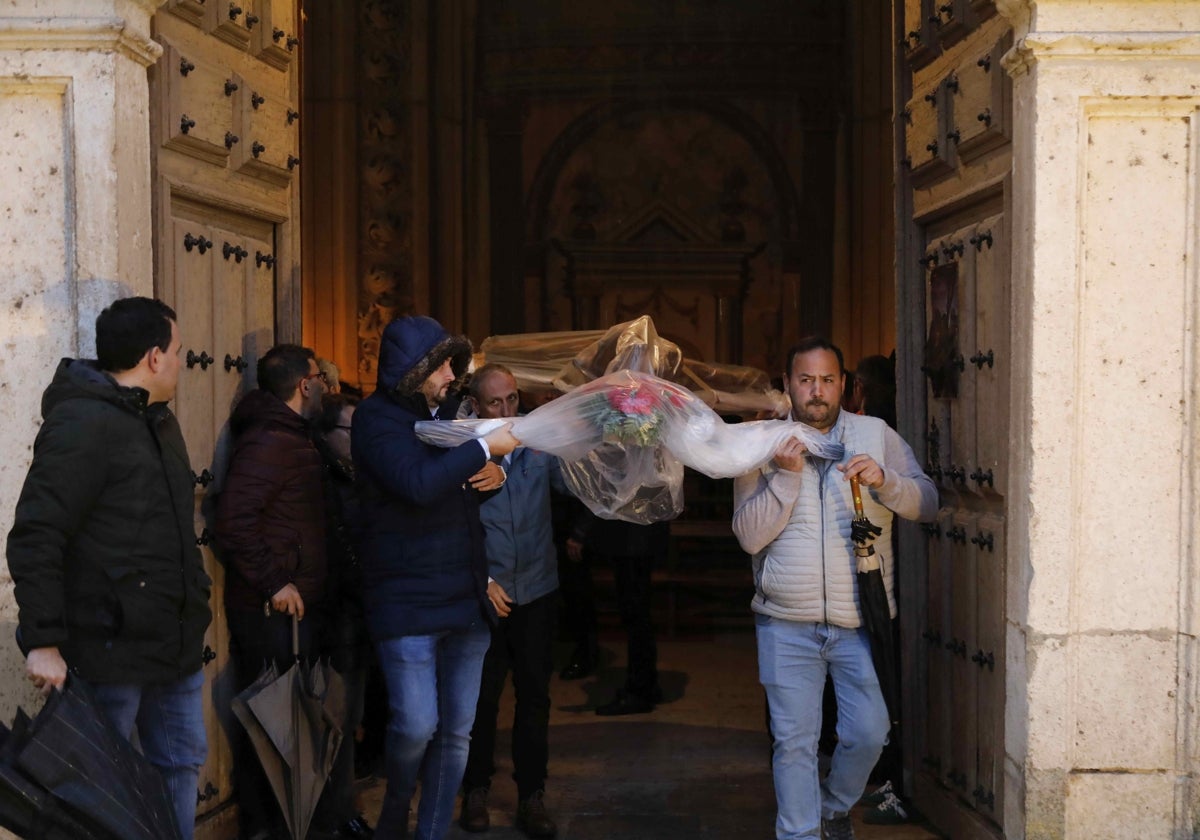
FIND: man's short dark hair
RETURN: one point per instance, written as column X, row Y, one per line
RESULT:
column 282, row 367
column 483, row 373
column 814, row 342
column 332, row 406
column 128, row 328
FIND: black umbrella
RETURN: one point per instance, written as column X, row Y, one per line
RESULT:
column 294, row 722
column 27, row 809
column 873, row 603
column 80, row 777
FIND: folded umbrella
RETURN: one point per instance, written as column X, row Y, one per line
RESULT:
column 27, row 809
column 873, row 604
column 81, row 767
column 293, row 720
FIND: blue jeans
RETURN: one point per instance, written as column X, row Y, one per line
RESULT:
column 170, row 726
column 433, row 685
column 793, row 658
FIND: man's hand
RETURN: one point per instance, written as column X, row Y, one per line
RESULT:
column 46, row 669
column 869, row 473
column 491, row 477
column 790, row 455
column 500, row 441
column 574, row 550
column 499, row 599
column 288, row 601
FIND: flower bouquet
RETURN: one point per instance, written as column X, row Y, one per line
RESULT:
column 634, row 413
column 625, row 437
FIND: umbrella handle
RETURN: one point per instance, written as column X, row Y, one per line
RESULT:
column 295, row 637
column 856, row 491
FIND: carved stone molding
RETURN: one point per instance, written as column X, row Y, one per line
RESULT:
column 1102, row 46
column 97, row 34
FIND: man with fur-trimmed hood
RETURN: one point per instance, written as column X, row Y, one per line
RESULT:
column 425, row 571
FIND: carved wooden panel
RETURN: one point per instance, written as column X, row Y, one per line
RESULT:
column 935, row 758
column 989, row 354
column 960, row 775
column 917, row 41
column 955, row 250
column 982, row 104
column 193, row 272
column 231, row 21
column 929, row 153
column 193, row 11
column 987, row 794
column 196, row 113
column 950, row 20
column 274, row 40
column 265, row 121
column 385, row 248
column 194, row 262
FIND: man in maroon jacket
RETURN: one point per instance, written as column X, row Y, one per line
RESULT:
column 271, row 535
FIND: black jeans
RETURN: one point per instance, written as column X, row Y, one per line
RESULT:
column 578, row 600
column 631, row 575
column 255, row 641
column 523, row 643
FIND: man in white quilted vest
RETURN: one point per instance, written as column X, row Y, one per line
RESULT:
column 794, row 516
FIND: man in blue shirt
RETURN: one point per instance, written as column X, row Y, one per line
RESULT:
column 522, row 586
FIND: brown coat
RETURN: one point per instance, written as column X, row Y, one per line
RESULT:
column 271, row 512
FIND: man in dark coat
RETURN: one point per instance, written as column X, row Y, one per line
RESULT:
column 109, row 580
column 270, row 529
column 424, row 567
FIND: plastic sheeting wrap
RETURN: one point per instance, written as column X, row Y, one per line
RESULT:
column 551, row 363
column 624, row 439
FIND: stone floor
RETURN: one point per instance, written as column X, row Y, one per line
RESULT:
column 697, row 768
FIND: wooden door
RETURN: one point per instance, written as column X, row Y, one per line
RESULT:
column 954, row 165
column 224, row 111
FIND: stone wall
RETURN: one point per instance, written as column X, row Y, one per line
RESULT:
column 1101, row 719
column 74, row 215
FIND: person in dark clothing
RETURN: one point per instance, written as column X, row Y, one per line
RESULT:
column 576, row 587
column 523, row 588
column 270, row 529
column 875, row 387
column 424, row 567
column 633, row 551
column 109, row 581
column 344, row 628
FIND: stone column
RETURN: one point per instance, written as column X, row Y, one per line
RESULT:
column 75, row 221
column 1101, row 722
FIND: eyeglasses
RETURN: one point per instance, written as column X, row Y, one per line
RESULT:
column 318, row 375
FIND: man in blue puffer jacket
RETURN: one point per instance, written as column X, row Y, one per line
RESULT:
column 424, row 567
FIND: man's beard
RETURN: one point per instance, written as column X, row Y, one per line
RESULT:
column 436, row 398
column 806, row 415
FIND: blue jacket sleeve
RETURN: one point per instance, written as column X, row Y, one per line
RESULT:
column 418, row 473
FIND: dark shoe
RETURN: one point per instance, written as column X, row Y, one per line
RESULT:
column 878, row 795
column 891, row 811
column 626, row 704
column 533, row 819
column 474, row 817
column 837, row 828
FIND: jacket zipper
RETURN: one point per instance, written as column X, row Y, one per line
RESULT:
column 821, row 507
